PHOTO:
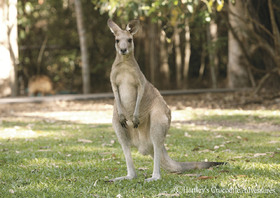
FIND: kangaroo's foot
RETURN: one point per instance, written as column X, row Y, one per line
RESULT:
column 153, row 178
column 128, row 177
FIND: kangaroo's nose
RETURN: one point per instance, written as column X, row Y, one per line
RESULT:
column 123, row 51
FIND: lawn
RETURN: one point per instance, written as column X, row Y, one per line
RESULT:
column 43, row 155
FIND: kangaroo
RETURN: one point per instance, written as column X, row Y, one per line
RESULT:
column 40, row 84
column 141, row 117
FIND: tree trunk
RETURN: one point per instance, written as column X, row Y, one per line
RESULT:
column 178, row 56
column 187, row 54
column 275, row 29
column 152, row 51
column 271, row 53
column 237, row 70
column 213, row 59
column 8, row 48
column 146, row 41
column 164, row 67
column 202, row 65
column 83, row 46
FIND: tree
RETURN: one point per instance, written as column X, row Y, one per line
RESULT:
column 211, row 39
column 271, row 47
column 164, row 67
column 174, row 33
column 254, row 44
column 178, row 56
column 83, row 46
column 187, row 53
column 8, row 48
column 237, row 68
column 152, row 51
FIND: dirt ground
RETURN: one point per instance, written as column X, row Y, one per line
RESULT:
column 100, row 111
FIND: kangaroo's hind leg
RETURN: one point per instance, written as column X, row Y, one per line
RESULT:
column 124, row 140
column 158, row 129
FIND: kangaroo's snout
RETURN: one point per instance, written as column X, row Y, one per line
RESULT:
column 124, row 47
column 124, row 51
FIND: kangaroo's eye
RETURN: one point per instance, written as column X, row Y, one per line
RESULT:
column 117, row 40
column 129, row 40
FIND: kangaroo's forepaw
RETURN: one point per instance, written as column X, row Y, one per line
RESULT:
column 123, row 120
column 135, row 121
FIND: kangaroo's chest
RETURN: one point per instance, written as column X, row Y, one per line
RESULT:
column 126, row 77
column 126, row 80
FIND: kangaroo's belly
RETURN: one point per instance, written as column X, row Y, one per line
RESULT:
column 140, row 138
column 127, row 87
column 128, row 96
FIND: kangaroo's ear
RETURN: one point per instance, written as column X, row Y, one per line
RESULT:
column 113, row 26
column 133, row 26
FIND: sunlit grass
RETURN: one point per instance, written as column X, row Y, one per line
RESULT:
column 54, row 158
column 83, row 117
column 243, row 116
column 16, row 132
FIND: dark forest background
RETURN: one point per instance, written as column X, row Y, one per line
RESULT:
column 183, row 44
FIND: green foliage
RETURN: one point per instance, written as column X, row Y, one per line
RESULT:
column 50, row 22
column 54, row 23
column 49, row 42
column 156, row 10
column 168, row 15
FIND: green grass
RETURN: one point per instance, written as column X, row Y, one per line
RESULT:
column 53, row 159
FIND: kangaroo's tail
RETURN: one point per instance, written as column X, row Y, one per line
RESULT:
column 179, row 167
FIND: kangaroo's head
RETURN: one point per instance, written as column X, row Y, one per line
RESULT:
column 124, row 38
